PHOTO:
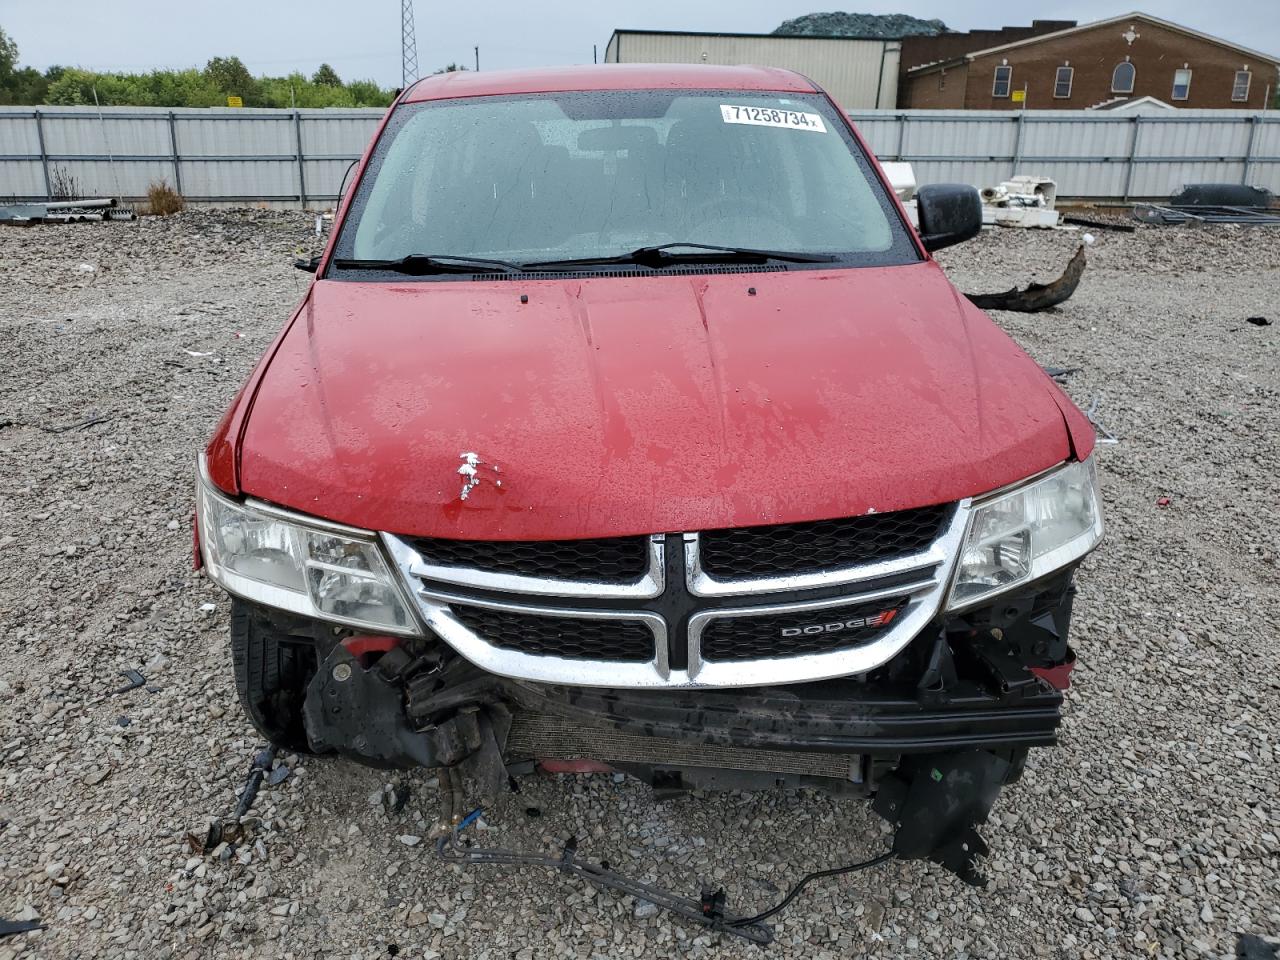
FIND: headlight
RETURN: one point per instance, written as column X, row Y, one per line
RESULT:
column 1027, row 533
column 306, row 567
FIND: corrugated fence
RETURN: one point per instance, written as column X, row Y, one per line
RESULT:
column 292, row 157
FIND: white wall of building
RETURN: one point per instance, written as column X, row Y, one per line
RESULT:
column 859, row 74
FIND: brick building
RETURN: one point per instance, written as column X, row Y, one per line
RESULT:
column 942, row 47
column 1096, row 65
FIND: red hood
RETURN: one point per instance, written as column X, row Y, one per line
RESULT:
column 614, row 406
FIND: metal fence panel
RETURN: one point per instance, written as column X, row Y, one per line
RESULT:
column 18, row 135
column 21, row 179
column 126, row 136
column 234, row 180
column 234, row 156
column 253, row 136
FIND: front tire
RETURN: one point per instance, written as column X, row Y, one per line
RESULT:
column 272, row 670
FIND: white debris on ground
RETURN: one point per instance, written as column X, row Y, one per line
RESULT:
column 1152, row 832
column 1025, row 200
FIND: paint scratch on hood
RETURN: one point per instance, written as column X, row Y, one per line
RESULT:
column 470, row 473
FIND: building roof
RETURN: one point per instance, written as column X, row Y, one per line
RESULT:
column 1126, row 18
column 1131, row 103
column 608, row 76
column 757, row 36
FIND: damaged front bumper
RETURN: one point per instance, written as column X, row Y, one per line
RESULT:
column 932, row 734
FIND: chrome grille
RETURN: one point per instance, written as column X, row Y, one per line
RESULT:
column 612, row 559
column 570, row 637
column 681, row 621
column 798, row 632
column 820, row 545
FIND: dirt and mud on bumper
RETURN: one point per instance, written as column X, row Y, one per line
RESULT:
column 932, row 735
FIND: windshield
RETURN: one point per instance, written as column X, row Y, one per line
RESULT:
column 537, row 179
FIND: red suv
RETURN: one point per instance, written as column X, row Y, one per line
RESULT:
column 629, row 423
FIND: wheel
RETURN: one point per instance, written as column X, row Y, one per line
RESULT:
column 272, row 670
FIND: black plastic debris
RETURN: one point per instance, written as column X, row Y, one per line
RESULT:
column 1249, row 947
column 9, row 928
column 1221, row 195
column 261, row 767
column 1201, row 203
column 1258, row 321
column 394, row 801
column 1060, row 373
column 1117, row 226
column 135, row 679
column 230, row 830
column 1035, row 296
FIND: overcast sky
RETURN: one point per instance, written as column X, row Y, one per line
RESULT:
column 361, row 38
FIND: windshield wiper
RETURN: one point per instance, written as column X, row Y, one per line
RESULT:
column 423, row 264
column 664, row 254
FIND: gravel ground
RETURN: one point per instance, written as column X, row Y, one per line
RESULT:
column 1152, row 831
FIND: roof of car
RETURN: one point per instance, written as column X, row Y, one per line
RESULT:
column 609, row 76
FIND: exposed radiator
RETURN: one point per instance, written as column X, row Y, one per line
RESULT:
column 540, row 736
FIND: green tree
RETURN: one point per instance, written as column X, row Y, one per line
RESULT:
column 326, row 76
column 366, row 93
column 450, row 68
column 8, row 56
column 230, row 76
column 25, row 86
column 222, row 76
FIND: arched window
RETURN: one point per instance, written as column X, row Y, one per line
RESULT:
column 1122, row 78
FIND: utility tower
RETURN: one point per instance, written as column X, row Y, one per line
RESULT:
column 408, row 45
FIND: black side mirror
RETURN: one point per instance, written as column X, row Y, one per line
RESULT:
column 309, row 264
column 949, row 213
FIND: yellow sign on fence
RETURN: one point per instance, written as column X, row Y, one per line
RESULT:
column 1017, row 96
column 235, row 102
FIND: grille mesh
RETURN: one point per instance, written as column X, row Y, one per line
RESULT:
column 570, row 637
column 821, row 544
column 755, row 638
column 612, row 560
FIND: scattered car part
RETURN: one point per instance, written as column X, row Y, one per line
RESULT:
column 1250, row 947
column 902, row 178
column 229, row 829
column 1104, row 435
column 1222, row 195
column 81, row 425
column 257, row 772
column 1021, row 201
column 1213, row 203
column 135, row 678
column 1036, row 296
column 1114, row 225
column 9, row 928
column 1060, row 373
column 1176, row 216
column 708, row 910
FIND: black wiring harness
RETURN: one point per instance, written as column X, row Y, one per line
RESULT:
column 708, row 910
